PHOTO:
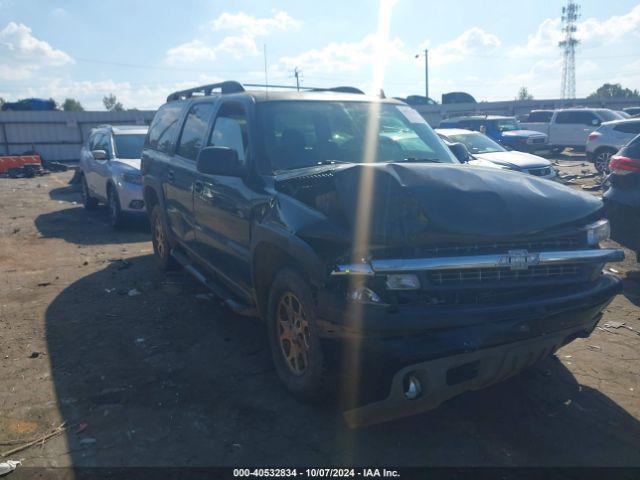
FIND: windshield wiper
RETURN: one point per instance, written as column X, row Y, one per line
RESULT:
column 329, row 162
column 419, row 160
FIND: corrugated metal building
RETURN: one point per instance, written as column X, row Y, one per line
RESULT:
column 56, row 135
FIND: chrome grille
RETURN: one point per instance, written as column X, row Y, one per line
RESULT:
column 570, row 242
column 481, row 276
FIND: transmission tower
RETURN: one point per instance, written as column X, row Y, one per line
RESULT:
column 570, row 15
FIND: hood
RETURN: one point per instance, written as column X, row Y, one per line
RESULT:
column 414, row 204
column 523, row 133
column 514, row 159
column 130, row 162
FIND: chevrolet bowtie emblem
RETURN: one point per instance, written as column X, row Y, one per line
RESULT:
column 519, row 259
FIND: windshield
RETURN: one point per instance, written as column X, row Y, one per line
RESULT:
column 129, row 145
column 508, row 125
column 477, row 143
column 297, row 134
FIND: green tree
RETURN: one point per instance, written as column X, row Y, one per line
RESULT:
column 112, row 104
column 72, row 105
column 55, row 104
column 523, row 94
column 2, row 101
column 614, row 90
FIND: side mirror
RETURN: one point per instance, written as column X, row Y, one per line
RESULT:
column 460, row 151
column 100, row 154
column 220, row 161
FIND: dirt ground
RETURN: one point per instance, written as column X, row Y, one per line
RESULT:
column 144, row 370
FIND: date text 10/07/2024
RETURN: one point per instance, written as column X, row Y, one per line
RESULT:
column 316, row 472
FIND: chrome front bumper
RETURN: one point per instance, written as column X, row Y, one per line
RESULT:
column 514, row 259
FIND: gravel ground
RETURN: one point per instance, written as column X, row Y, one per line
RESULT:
column 144, row 370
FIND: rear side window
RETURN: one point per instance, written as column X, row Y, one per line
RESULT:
column 628, row 127
column 576, row 118
column 195, row 127
column 164, row 127
column 542, row 117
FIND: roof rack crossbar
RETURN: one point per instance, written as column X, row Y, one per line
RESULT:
column 230, row 86
column 343, row 89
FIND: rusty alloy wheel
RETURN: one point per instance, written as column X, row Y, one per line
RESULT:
column 293, row 333
column 158, row 236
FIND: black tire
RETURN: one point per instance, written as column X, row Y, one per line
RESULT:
column 555, row 150
column 88, row 201
column 291, row 320
column 116, row 215
column 601, row 159
column 160, row 240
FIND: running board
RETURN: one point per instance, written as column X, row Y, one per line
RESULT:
column 217, row 289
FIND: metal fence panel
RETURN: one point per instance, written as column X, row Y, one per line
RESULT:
column 56, row 135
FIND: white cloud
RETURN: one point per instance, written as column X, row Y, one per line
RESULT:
column 343, row 56
column 591, row 32
column 473, row 41
column 543, row 41
column 612, row 29
column 22, row 54
column 246, row 27
column 254, row 26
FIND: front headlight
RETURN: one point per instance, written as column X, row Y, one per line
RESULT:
column 598, row 232
column 131, row 177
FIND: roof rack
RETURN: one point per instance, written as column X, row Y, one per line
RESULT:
column 231, row 86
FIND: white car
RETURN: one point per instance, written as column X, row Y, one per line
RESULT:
column 485, row 152
column 110, row 170
column 569, row 128
column 608, row 139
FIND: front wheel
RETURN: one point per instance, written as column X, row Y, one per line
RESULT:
column 116, row 216
column 88, row 201
column 293, row 337
column 160, row 240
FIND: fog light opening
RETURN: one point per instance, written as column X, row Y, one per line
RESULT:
column 363, row 294
column 412, row 388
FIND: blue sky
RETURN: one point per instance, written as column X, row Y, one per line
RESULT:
column 143, row 50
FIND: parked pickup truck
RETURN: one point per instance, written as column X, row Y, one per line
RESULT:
column 504, row 130
column 568, row 128
column 385, row 270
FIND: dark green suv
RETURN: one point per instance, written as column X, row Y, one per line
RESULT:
column 387, row 271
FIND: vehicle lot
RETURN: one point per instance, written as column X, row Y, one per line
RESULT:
column 161, row 374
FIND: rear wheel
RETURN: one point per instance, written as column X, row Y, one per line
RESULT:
column 160, row 240
column 555, row 150
column 601, row 160
column 116, row 216
column 88, row 201
column 293, row 337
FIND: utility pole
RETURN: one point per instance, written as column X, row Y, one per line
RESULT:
column 570, row 15
column 297, row 73
column 426, row 71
